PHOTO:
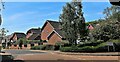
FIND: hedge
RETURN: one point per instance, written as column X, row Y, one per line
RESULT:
column 93, row 43
column 100, row 48
column 77, row 49
column 116, row 44
column 43, row 47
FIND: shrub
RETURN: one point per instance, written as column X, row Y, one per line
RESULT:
column 36, row 47
column 64, row 43
column 115, row 41
column 100, row 48
column 93, row 43
column 65, row 49
column 3, row 45
column 76, row 49
column 87, row 49
column 116, row 44
column 49, row 47
column 7, row 58
column 43, row 47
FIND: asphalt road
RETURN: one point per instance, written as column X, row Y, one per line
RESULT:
column 19, row 52
column 37, row 56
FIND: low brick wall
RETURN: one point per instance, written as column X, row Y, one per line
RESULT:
column 23, row 47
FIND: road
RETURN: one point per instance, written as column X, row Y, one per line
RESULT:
column 50, row 55
column 21, row 52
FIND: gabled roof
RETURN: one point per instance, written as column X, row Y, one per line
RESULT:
column 34, row 37
column 34, row 30
column 58, row 32
column 19, row 35
column 54, row 24
column 90, row 27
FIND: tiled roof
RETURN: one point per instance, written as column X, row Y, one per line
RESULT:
column 55, row 24
column 19, row 35
column 58, row 32
column 34, row 30
column 34, row 37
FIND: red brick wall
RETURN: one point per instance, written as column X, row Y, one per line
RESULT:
column 46, row 31
column 54, row 38
column 14, row 38
column 28, row 35
column 17, row 47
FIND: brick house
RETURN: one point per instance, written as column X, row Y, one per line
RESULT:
column 90, row 27
column 51, row 32
column 55, row 36
column 34, row 34
column 16, row 36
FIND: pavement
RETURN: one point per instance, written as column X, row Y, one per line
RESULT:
column 38, row 55
column 91, row 54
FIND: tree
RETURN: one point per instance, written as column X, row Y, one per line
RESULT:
column 110, row 28
column 112, row 13
column 22, row 41
column 72, row 21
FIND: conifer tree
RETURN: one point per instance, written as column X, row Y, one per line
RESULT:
column 72, row 21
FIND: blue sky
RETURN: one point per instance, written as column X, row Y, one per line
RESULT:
column 21, row 16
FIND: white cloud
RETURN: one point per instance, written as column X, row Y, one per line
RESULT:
column 50, row 14
column 19, row 15
column 100, row 13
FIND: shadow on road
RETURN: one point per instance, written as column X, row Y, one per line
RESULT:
column 62, row 61
column 12, row 61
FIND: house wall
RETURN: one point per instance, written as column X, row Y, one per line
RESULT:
column 28, row 35
column 17, row 46
column 46, row 31
column 54, row 38
column 14, row 38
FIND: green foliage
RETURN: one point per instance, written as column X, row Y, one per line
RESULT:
column 77, row 49
column 95, row 43
column 3, row 45
column 116, row 44
column 99, row 48
column 110, row 28
column 115, row 41
column 61, row 43
column 6, row 58
column 43, row 47
column 73, row 22
column 22, row 40
column 65, row 49
column 34, row 41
